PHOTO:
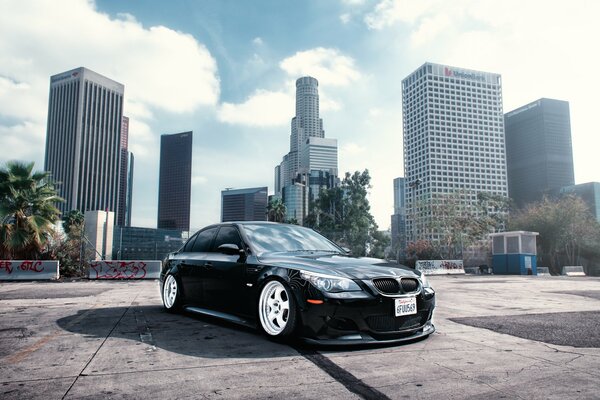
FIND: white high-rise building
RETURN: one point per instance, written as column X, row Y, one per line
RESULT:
column 453, row 138
column 83, row 140
column 312, row 162
column 319, row 154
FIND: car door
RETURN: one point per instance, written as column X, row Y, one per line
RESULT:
column 182, row 264
column 192, row 265
column 224, row 275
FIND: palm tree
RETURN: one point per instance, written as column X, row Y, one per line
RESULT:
column 27, row 210
column 276, row 210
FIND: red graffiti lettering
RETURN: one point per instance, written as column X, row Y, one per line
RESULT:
column 33, row 266
column 7, row 266
column 118, row 269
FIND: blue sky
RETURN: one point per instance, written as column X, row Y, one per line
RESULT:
column 226, row 70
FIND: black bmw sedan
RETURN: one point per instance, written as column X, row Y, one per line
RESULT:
column 288, row 280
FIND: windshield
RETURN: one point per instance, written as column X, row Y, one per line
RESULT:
column 270, row 238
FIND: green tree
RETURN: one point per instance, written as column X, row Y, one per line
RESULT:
column 461, row 222
column 276, row 210
column 343, row 215
column 565, row 226
column 73, row 219
column 27, row 210
column 68, row 250
column 421, row 250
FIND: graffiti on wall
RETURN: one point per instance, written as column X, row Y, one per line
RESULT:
column 28, row 269
column 130, row 269
column 25, row 265
column 118, row 270
column 439, row 267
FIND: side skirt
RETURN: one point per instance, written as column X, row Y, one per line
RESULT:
column 220, row 315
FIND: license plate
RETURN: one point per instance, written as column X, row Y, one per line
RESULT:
column 406, row 306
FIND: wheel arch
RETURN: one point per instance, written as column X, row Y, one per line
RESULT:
column 290, row 277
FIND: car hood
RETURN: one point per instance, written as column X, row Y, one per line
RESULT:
column 350, row 267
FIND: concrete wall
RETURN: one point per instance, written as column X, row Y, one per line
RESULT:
column 440, row 267
column 23, row 270
column 130, row 269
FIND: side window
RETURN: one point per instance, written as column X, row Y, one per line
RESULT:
column 204, row 240
column 188, row 245
column 227, row 235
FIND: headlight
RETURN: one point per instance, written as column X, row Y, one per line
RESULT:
column 331, row 284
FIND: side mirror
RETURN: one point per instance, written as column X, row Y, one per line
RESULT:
column 230, row 249
column 347, row 251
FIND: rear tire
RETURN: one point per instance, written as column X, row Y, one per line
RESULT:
column 171, row 295
column 277, row 311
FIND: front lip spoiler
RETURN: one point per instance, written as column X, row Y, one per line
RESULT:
column 364, row 338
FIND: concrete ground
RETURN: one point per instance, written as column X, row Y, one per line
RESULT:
column 97, row 340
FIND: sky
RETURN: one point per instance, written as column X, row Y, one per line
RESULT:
column 226, row 69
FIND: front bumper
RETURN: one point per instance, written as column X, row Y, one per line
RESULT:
column 363, row 321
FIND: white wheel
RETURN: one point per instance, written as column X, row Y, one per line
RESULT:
column 276, row 309
column 170, row 293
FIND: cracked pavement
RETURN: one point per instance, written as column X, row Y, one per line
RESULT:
column 92, row 340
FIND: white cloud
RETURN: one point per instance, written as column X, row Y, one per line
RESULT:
column 329, row 66
column 199, row 180
column 263, row 108
column 257, row 41
column 429, row 29
column 375, row 112
column 161, row 69
column 23, row 141
column 276, row 107
column 345, row 18
column 388, row 12
column 351, row 149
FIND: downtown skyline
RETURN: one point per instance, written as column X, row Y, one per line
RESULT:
column 203, row 67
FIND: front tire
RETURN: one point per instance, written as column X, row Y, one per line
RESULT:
column 277, row 310
column 171, row 294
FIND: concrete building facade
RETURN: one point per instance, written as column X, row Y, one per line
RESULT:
column 453, row 139
column 124, row 208
column 398, row 219
column 134, row 243
column 175, row 181
column 244, row 204
column 539, row 153
column 99, row 230
column 83, row 140
column 301, row 174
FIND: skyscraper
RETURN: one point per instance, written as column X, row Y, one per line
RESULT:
column 539, row 156
column 129, row 198
column 244, row 204
column 83, row 141
column 123, row 173
column 453, row 138
column 175, row 181
column 399, row 217
column 311, row 163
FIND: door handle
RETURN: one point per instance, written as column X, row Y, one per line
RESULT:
column 208, row 265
